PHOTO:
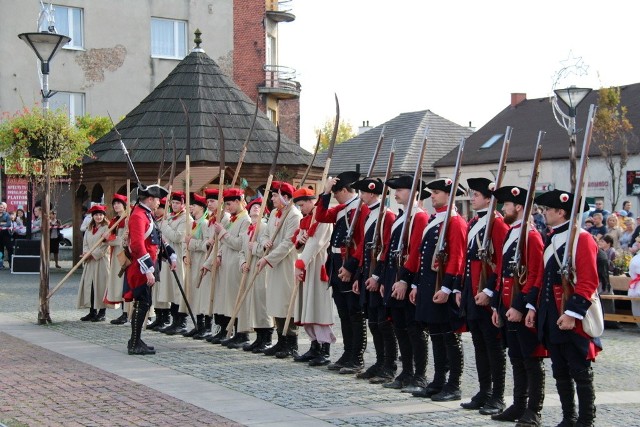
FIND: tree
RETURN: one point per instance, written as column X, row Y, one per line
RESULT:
column 94, row 127
column 345, row 132
column 612, row 133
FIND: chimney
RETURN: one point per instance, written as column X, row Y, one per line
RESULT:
column 365, row 127
column 517, row 98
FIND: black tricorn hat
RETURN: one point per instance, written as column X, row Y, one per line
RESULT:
column 404, row 181
column 558, row 199
column 345, row 179
column 444, row 184
column 424, row 194
column 153, row 190
column 369, row 185
column 511, row 193
column 482, row 185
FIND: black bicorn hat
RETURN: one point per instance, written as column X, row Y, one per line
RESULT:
column 369, row 185
column 153, row 190
column 558, row 199
column 482, row 185
column 345, row 179
column 444, row 184
column 511, row 193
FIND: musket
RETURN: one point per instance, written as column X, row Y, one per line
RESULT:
column 566, row 270
column 219, row 214
column 126, row 153
column 187, row 169
column 441, row 249
column 519, row 270
column 332, row 143
column 313, row 159
column 243, row 290
column 416, row 186
column 348, row 240
column 161, row 158
column 377, row 244
column 485, row 252
column 243, row 153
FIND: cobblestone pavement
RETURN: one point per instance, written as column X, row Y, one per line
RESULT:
column 310, row 395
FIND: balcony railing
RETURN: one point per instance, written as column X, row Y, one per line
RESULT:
column 280, row 81
column 280, row 11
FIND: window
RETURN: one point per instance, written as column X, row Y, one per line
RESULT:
column 168, row 38
column 70, row 22
column 272, row 115
column 71, row 102
column 491, row 141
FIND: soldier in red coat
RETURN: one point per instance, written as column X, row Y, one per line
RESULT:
column 560, row 311
column 380, row 326
column 479, row 283
column 514, row 292
column 341, row 267
column 438, row 307
column 143, row 245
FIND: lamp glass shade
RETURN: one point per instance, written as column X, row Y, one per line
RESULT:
column 44, row 44
column 572, row 96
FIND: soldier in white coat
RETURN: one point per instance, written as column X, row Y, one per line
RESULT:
column 116, row 239
column 314, row 306
column 95, row 275
column 280, row 278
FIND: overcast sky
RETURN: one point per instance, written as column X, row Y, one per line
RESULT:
column 460, row 59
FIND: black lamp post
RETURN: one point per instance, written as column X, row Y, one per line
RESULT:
column 571, row 97
column 45, row 45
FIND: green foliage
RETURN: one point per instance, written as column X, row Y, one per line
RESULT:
column 95, row 127
column 612, row 131
column 345, row 132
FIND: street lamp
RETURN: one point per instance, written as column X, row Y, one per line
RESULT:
column 571, row 97
column 45, row 45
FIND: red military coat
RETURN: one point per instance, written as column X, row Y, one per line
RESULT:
column 143, row 246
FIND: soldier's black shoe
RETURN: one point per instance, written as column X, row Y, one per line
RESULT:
column 314, row 351
column 121, row 320
column 494, row 406
column 279, row 345
column 447, row 394
column 399, row 382
column 429, row 390
column 371, row 372
column 190, row 333
column 529, row 419
column 340, row 363
column 150, row 347
column 417, row 385
column 239, row 340
column 477, row 401
column 90, row 316
column 323, row 358
column 351, row 367
column 511, row 414
column 217, row 338
column 383, row 376
column 290, row 347
column 100, row 315
column 265, row 343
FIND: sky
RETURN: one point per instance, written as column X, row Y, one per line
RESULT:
column 461, row 59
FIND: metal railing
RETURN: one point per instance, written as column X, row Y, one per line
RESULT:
column 278, row 76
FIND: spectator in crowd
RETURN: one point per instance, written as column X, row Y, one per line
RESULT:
column 606, row 244
column 5, row 236
column 538, row 219
column 626, row 238
column 54, row 236
column 626, row 209
column 614, row 230
column 86, row 219
column 36, row 224
column 588, row 223
column 599, row 229
column 601, row 210
column 20, row 229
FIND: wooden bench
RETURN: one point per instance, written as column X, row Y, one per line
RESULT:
column 621, row 284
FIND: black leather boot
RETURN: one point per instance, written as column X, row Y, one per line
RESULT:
column 483, row 368
column 388, row 370
column 586, row 398
column 406, row 355
column 121, row 320
column 566, row 391
column 265, row 343
column 324, row 357
column 359, row 345
column 90, row 316
column 420, row 349
column 199, row 326
column 347, row 342
column 378, row 345
column 222, row 333
column 100, row 315
column 271, row 351
column 171, row 318
column 440, row 366
column 520, row 393
column 250, row 346
column 451, row 390
column 205, row 331
column 290, row 348
column 498, row 366
column 314, row 351
column 239, row 340
column 138, row 317
column 180, row 326
column 532, row 416
column 165, row 319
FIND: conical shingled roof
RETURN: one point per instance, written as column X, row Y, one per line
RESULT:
column 206, row 91
column 408, row 131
